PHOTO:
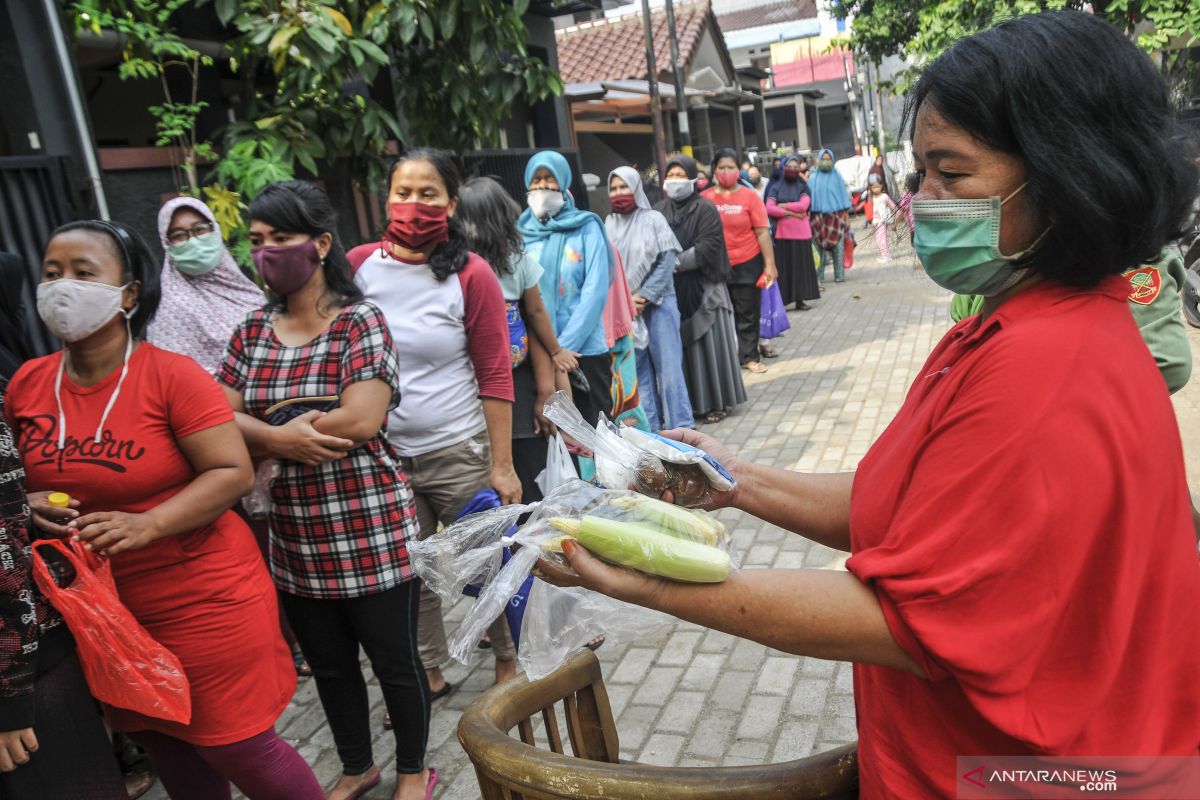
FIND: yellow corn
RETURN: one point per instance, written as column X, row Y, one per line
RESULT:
column 647, row 549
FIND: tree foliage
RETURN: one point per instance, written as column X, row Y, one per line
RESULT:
column 920, row 31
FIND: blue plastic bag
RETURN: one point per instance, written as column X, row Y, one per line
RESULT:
column 773, row 319
column 514, row 611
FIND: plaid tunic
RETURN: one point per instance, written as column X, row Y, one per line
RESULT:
column 338, row 529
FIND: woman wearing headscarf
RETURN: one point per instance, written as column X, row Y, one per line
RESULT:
column 649, row 250
column 879, row 170
column 788, row 204
column 204, row 293
column 710, row 361
column 829, row 220
column 577, row 270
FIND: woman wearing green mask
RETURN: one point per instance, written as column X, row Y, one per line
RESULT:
column 204, row 293
column 1022, row 577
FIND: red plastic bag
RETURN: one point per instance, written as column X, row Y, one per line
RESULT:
column 848, row 253
column 123, row 665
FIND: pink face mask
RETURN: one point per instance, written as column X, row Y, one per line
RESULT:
column 286, row 269
column 728, row 179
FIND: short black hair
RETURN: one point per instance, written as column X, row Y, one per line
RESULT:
column 489, row 218
column 303, row 207
column 1106, row 166
column 724, row 152
column 138, row 264
column 450, row 256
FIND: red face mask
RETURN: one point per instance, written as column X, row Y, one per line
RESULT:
column 791, row 173
column 622, row 203
column 728, row 179
column 416, row 226
column 701, row 183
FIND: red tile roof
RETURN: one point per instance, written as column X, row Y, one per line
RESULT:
column 768, row 14
column 615, row 49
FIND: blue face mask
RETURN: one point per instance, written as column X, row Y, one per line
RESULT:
column 958, row 242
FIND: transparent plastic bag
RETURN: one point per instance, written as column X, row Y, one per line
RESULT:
column 258, row 502
column 559, row 466
column 619, row 526
column 123, row 664
column 627, row 457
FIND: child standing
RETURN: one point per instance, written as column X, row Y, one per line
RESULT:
column 884, row 208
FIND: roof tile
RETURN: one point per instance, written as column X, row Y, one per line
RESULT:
column 615, row 49
column 768, row 14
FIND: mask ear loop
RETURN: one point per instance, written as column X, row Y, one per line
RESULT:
column 112, row 400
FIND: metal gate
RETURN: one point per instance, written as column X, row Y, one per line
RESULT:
column 35, row 199
column 508, row 168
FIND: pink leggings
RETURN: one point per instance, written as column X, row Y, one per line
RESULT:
column 881, row 239
column 263, row 767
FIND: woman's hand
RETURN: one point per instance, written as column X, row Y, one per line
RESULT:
column 299, row 441
column 639, row 305
column 771, row 274
column 541, row 423
column 565, row 361
column 507, row 484
column 591, row 573
column 718, row 451
column 49, row 519
column 15, row 747
column 111, row 532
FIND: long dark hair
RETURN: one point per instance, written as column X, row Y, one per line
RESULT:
column 302, row 207
column 489, row 218
column 450, row 256
column 137, row 264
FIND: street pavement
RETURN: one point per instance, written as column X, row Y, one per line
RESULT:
column 697, row 698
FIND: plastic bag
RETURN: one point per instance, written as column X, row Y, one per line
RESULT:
column 559, row 466
column 773, row 319
column 258, row 502
column 640, row 333
column 622, row 527
column 123, row 664
column 626, row 456
column 848, row 250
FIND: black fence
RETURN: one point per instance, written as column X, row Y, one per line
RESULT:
column 35, row 198
column 508, row 168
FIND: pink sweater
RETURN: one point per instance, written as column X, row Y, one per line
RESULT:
column 790, row 227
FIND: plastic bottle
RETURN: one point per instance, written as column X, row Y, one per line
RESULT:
column 59, row 500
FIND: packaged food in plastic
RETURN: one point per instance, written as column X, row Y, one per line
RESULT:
column 619, row 526
column 652, row 464
column 123, row 664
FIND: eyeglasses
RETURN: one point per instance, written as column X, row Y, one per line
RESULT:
column 181, row 235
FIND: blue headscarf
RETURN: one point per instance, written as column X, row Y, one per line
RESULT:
column 555, row 230
column 829, row 191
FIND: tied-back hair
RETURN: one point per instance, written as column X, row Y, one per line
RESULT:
column 450, row 256
column 724, row 152
column 1107, row 169
column 488, row 216
column 137, row 264
column 303, row 207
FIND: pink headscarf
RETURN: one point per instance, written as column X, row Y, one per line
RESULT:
column 197, row 316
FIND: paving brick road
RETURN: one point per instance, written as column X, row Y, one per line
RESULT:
column 692, row 697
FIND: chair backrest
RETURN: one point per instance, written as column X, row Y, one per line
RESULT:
column 518, row 769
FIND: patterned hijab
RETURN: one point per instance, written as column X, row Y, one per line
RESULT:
column 196, row 316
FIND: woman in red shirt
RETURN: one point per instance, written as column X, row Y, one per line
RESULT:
column 145, row 443
column 1023, row 577
column 748, row 241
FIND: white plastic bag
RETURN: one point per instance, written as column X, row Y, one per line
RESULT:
column 642, row 533
column 559, row 466
column 258, row 502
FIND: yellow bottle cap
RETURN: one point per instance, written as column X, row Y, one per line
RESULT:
column 59, row 499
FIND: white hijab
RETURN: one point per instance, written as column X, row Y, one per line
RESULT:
column 640, row 235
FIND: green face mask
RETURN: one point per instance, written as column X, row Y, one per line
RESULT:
column 198, row 255
column 825, row 166
column 958, row 242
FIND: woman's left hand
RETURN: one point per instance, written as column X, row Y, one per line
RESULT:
column 111, row 532
column 591, row 573
column 507, row 484
column 771, row 274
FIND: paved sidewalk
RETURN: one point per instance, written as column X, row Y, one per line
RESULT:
column 691, row 697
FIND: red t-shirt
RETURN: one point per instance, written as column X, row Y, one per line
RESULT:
column 1025, row 524
column 741, row 212
column 205, row 594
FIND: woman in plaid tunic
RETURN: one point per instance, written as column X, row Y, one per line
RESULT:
column 313, row 377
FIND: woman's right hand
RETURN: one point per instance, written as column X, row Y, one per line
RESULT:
column 718, row 451
column 299, row 441
column 565, row 361
column 49, row 519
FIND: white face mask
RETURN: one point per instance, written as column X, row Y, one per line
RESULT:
column 74, row 310
column 678, row 188
column 545, row 203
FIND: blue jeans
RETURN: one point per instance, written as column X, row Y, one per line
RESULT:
column 661, row 385
column 839, row 262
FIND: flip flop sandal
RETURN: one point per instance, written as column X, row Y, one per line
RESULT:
column 366, row 787
column 431, row 783
column 714, row 417
column 442, row 692
column 595, row 644
column 755, row 367
column 303, row 669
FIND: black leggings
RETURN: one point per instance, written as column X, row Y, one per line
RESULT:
column 747, row 309
column 385, row 624
column 75, row 759
column 597, row 399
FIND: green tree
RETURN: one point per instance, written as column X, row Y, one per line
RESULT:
column 920, row 31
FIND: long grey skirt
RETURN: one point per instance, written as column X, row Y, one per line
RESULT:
column 710, row 365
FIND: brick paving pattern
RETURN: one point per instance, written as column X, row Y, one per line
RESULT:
column 699, row 698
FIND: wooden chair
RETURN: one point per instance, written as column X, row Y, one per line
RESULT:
column 512, row 769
